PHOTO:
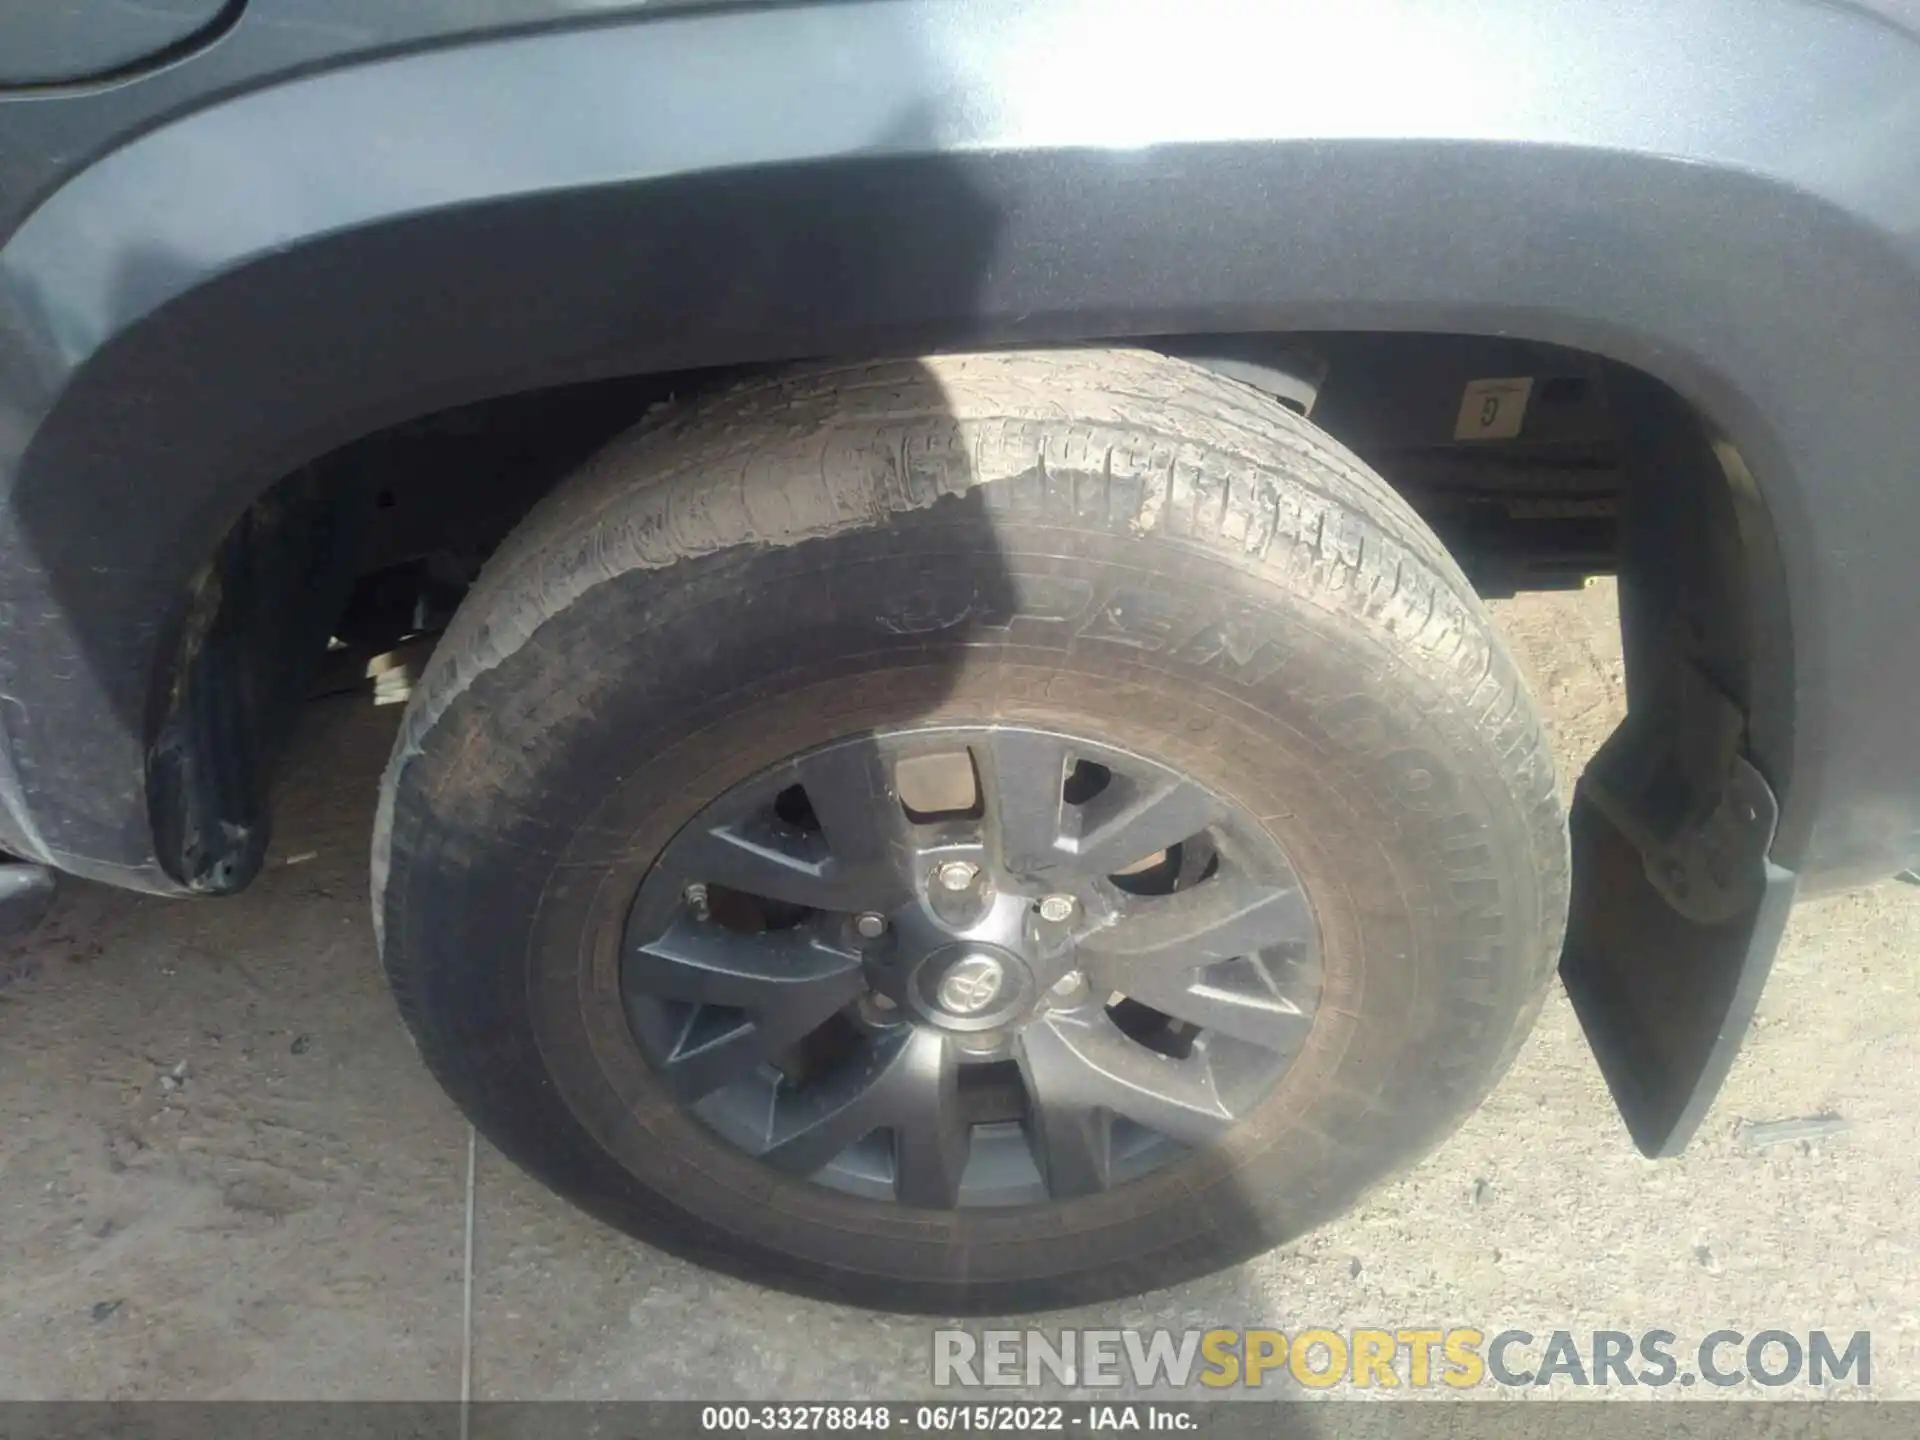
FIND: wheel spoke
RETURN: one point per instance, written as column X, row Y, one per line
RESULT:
column 701, row 1060
column 815, row 1123
column 712, row 965
column 1240, row 998
column 1026, row 772
column 1071, row 1142
column 1073, row 1150
column 860, row 858
column 851, row 791
column 1080, row 1061
column 931, row 1136
column 1127, row 823
column 1170, row 938
column 783, row 984
column 769, row 865
column 1040, row 835
column 886, row 1084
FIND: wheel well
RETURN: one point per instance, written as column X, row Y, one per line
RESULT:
column 1537, row 466
column 1521, row 455
column 1534, row 504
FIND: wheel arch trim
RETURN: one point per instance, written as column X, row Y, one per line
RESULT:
column 181, row 323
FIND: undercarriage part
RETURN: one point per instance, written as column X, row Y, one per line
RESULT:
column 1508, row 449
column 1520, row 524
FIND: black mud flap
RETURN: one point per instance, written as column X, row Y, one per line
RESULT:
column 1676, row 910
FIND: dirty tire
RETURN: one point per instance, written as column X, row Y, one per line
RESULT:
column 1109, row 542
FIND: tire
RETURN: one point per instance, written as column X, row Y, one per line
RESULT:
column 1109, row 544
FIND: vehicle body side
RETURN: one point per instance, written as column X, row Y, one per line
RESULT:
column 216, row 272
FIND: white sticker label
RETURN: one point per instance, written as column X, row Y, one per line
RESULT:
column 1492, row 409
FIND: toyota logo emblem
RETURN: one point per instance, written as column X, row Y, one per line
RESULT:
column 971, row 985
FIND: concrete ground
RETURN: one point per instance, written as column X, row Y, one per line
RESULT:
column 223, row 1172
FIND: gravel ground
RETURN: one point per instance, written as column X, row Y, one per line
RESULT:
column 223, row 1172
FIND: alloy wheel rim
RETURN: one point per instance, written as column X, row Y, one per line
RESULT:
column 970, row 966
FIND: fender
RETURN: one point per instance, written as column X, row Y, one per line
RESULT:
column 1718, row 193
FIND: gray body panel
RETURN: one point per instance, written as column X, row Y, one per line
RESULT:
column 1724, row 194
column 44, row 43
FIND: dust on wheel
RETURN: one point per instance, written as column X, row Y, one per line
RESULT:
column 979, row 833
column 1060, row 969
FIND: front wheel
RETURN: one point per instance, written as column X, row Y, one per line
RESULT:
column 985, row 833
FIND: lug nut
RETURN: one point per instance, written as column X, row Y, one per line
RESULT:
column 880, row 1002
column 956, row 875
column 870, row 926
column 1069, row 985
column 1056, row 908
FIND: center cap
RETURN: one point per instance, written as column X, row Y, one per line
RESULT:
column 972, row 987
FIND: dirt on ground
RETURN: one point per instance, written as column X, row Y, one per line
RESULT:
column 225, row 1173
